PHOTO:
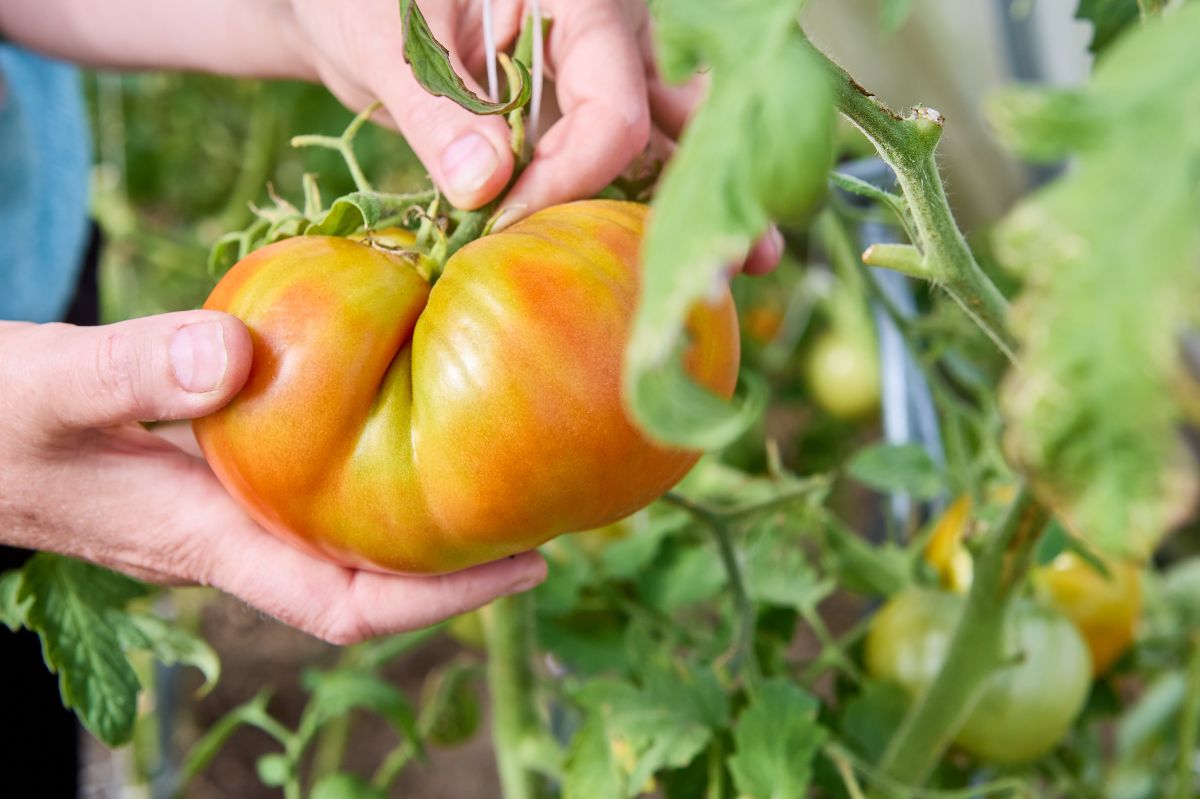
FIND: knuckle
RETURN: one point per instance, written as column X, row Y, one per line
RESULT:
column 344, row 623
column 116, row 374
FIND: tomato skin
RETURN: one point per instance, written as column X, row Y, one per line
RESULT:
column 842, row 374
column 1025, row 709
column 1106, row 609
column 793, row 181
column 392, row 426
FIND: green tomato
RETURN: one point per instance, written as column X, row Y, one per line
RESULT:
column 842, row 373
column 791, row 164
column 1026, row 709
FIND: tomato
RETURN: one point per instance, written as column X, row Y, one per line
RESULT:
column 842, row 374
column 763, row 323
column 1105, row 608
column 793, row 180
column 1025, row 709
column 394, row 426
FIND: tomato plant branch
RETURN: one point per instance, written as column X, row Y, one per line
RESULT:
column 975, row 651
column 837, row 753
column 344, row 145
column 1189, row 717
column 908, row 143
column 508, row 626
column 742, row 651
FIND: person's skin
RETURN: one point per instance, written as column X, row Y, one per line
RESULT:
column 80, row 476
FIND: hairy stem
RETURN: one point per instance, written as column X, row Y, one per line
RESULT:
column 508, row 625
column 907, row 143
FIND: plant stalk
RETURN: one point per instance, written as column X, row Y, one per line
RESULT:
column 508, row 626
column 975, row 651
column 908, row 144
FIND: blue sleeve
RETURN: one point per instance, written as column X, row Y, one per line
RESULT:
column 44, row 160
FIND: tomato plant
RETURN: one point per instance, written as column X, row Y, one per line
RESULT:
column 1103, row 599
column 429, row 394
column 1026, row 709
column 476, row 419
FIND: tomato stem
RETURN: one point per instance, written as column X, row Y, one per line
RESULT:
column 908, row 143
column 508, row 628
column 742, row 653
column 975, row 651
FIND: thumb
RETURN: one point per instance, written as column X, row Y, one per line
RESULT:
column 172, row 366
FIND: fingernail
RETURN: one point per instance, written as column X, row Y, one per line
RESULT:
column 198, row 356
column 506, row 217
column 527, row 581
column 468, row 163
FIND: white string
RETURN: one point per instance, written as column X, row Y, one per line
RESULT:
column 489, row 49
column 535, row 105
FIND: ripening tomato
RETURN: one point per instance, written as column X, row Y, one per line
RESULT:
column 390, row 425
column 1025, row 709
column 1105, row 608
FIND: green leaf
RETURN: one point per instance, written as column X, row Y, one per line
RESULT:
column 170, row 644
column 1108, row 253
column 224, row 254
column 346, row 786
column 775, row 740
column 776, row 567
column 1153, row 715
column 450, row 709
column 628, row 557
column 76, row 609
column 758, row 147
column 348, row 214
column 336, row 693
column 682, row 575
column 206, row 748
column 431, row 66
column 902, row 468
column 590, row 769
column 13, row 610
column 871, row 717
column 688, row 415
column 1054, row 541
column 860, row 567
column 1109, row 19
column 662, row 724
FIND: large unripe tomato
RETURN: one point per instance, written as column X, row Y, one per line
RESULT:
column 393, row 426
column 1026, row 708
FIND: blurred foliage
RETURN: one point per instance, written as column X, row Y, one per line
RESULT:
column 180, row 159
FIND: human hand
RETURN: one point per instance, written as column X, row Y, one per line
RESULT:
column 599, row 57
column 79, row 476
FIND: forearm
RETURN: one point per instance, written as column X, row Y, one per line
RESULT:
column 234, row 37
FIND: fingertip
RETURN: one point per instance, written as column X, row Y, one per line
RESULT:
column 765, row 254
column 239, row 349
